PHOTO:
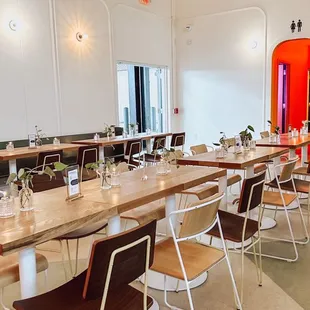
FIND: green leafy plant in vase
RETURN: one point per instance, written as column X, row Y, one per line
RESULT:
column 25, row 176
column 274, row 132
column 246, row 137
column 222, row 144
column 40, row 135
column 108, row 130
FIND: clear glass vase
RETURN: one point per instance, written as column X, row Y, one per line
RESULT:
column 105, row 178
column 25, row 197
column 246, row 144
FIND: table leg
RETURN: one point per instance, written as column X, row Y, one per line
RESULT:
column 292, row 153
column 223, row 189
column 28, row 272
column 12, row 166
column 114, row 225
column 101, row 152
column 304, row 155
column 148, row 146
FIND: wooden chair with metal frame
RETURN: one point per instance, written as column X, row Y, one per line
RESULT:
column 9, row 272
column 86, row 155
column 178, row 140
column 238, row 228
column 115, row 262
column 181, row 258
column 43, row 183
column 264, row 134
column 280, row 199
column 200, row 149
column 49, row 158
column 158, row 146
column 133, row 152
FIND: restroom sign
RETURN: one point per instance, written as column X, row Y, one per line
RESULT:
column 145, row 2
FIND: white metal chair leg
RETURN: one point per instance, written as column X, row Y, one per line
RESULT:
column 1, row 300
column 63, row 260
column 242, row 273
column 256, row 262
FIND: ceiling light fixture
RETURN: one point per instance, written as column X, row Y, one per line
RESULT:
column 81, row 36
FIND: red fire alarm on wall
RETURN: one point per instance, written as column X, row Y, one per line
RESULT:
column 145, row 2
column 176, row 111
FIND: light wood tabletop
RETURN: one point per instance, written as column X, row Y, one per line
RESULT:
column 53, row 216
column 120, row 139
column 286, row 141
column 25, row 152
column 234, row 161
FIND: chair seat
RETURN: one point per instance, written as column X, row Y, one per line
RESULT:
column 274, row 198
column 302, row 186
column 146, row 213
column 301, row 171
column 84, row 231
column 9, row 268
column 88, row 175
column 232, row 227
column 260, row 168
column 202, row 191
column 197, row 258
column 69, row 297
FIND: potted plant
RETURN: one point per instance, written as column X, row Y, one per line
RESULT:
column 108, row 131
column 25, row 176
column 274, row 132
column 223, row 146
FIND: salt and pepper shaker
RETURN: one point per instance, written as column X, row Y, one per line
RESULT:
column 96, row 137
column 10, row 146
column 56, row 141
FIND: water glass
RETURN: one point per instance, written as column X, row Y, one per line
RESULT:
column 115, row 179
column 161, row 168
column 6, row 207
column 253, row 145
column 10, row 146
column 219, row 152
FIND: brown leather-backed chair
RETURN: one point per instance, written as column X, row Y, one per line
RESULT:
column 48, row 158
column 158, row 146
column 115, row 262
column 237, row 228
column 43, row 183
column 87, row 154
column 178, row 139
column 133, row 148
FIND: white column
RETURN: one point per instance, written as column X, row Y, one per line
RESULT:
column 304, row 155
column 170, row 207
column 28, row 273
column 114, row 225
column 101, row 152
column 12, row 166
column 223, row 189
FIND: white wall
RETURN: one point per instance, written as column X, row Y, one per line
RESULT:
column 233, row 86
column 50, row 79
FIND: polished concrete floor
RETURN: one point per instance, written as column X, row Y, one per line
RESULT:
column 285, row 285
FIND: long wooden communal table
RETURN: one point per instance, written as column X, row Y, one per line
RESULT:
column 293, row 143
column 102, row 142
column 53, row 216
column 244, row 160
column 26, row 152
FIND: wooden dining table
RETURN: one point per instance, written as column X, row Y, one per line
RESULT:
column 292, row 143
column 104, row 142
column 26, row 152
column 53, row 216
column 243, row 161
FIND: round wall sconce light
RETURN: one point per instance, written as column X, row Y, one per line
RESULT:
column 13, row 25
column 81, row 36
column 254, row 45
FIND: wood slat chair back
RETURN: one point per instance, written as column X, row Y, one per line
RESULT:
column 201, row 217
column 49, row 157
column 133, row 147
column 230, row 142
column 43, row 182
column 198, row 149
column 178, row 139
column 251, row 193
column 159, row 144
column 287, row 170
column 87, row 154
column 118, row 260
column 264, row 134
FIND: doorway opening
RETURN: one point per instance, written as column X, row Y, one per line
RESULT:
column 142, row 97
column 290, row 84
